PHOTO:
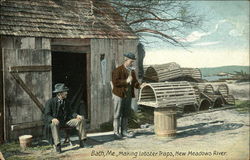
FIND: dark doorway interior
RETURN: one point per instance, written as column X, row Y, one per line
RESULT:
column 70, row 68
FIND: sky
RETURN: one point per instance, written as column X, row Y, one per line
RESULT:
column 223, row 40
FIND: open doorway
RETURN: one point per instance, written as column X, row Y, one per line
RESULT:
column 70, row 69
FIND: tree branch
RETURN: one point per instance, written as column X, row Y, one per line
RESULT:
column 151, row 19
column 156, row 32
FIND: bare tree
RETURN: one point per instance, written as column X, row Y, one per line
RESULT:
column 166, row 20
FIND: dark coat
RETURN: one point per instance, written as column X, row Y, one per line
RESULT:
column 120, row 86
column 52, row 111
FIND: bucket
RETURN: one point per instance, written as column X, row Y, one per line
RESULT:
column 25, row 141
column 165, row 121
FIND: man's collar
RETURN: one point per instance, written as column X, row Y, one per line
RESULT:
column 58, row 99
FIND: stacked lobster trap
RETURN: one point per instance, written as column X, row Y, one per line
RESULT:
column 170, row 85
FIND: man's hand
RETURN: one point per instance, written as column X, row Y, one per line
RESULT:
column 142, row 85
column 129, row 79
column 55, row 121
column 78, row 117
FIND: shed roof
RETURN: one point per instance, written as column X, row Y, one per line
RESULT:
column 62, row 19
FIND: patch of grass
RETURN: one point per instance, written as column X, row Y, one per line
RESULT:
column 243, row 106
column 10, row 147
column 15, row 157
column 12, row 151
column 40, row 146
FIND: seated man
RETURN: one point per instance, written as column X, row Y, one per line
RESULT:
column 58, row 113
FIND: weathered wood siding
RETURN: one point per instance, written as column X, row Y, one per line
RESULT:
column 1, row 99
column 101, row 95
column 20, row 109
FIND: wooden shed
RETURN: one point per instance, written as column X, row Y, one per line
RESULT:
column 76, row 42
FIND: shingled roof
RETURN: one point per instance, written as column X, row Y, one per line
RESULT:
column 62, row 19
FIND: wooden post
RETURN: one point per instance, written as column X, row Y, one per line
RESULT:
column 165, row 121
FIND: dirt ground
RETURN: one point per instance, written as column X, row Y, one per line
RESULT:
column 215, row 135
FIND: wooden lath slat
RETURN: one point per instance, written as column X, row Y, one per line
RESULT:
column 40, row 68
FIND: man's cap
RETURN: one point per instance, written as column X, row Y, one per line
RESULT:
column 130, row 55
column 60, row 87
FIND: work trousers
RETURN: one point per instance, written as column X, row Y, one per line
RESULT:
column 78, row 124
column 122, row 110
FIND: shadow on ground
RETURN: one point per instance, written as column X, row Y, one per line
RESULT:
column 206, row 128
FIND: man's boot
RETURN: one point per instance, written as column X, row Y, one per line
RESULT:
column 116, row 125
column 58, row 148
column 83, row 144
column 124, row 128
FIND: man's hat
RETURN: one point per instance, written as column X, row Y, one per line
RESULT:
column 60, row 87
column 130, row 56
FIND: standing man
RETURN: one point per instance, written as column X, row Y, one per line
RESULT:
column 124, row 81
column 58, row 113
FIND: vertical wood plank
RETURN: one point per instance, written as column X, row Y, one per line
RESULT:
column 106, row 86
column 9, row 106
column 99, row 81
column 88, row 70
column 101, row 103
column 120, row 52
column 93, row 83
column 1, row 98
column 109, row 74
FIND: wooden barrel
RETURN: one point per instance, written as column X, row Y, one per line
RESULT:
column 165, row 121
